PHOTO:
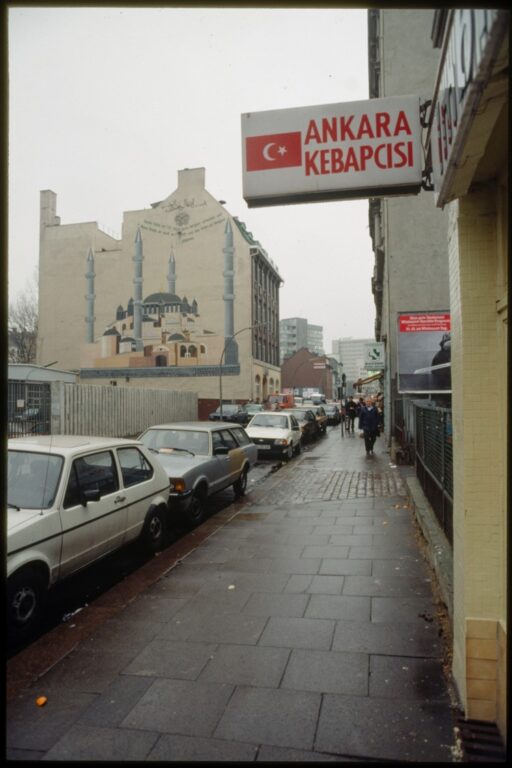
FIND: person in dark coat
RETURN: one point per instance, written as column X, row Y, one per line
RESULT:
column 351, row 411
column 369, row 423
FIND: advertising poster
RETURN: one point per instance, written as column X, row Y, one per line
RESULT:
column 424, row 352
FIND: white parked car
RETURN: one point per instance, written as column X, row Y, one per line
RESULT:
column 200, row 459
column 71, row 501
column 275, row 433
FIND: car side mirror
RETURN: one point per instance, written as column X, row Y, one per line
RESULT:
column 91, row 494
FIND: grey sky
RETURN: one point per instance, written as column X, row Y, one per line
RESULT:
column 107, row 104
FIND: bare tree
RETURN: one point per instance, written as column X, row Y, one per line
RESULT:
column 22, row 324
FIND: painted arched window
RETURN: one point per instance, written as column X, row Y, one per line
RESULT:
column 192, row 351
column 203, row 349
column 183, row 351
column 160, row 361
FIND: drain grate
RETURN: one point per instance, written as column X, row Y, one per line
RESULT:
column 481, row 741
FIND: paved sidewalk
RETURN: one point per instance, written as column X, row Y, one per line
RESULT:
column 305, row 628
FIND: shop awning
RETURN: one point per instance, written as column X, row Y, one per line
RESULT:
column 375, row 376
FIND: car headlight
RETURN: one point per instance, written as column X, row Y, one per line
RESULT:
column 178, row 485
column 280, row 442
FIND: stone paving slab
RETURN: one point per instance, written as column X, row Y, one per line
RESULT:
column 377, row 728
column 198, row 749
column 271, row 716
column 387, row 638
column 180, row 706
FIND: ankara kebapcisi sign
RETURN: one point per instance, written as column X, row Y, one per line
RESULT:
column 332, row 151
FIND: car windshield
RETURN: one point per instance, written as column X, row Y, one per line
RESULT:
column 32, row 479
column 228, row 408
column 266, row 420
column 253, row 408
column 187, row 440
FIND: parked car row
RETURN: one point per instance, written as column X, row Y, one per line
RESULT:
column 73, row 500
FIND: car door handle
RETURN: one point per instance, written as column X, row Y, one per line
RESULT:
column 119, row 499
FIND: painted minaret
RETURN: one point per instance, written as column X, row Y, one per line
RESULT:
column 171, row 275
column 90, row 275
column 231, row 346
column 137, row 283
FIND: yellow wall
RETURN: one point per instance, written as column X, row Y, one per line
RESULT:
column 478, row 251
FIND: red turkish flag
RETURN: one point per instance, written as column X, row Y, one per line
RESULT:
column 277, row 150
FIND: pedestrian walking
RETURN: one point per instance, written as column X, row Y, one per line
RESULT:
column 369, row 424
column 351, row 411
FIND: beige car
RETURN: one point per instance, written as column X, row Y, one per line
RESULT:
column 201, row 458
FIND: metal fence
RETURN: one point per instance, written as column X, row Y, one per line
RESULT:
column 63, row 408
column 28, row 408
column 434, row 460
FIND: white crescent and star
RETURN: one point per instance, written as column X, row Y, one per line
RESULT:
column 266, row 151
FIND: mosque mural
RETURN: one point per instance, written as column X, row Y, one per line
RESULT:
column 163, row 329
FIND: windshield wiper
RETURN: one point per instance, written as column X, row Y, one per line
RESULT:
column 13, row 506
column 172, row 449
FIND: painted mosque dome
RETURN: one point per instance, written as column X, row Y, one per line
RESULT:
column 162, row 298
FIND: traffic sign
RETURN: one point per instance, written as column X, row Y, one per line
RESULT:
column 374, row 356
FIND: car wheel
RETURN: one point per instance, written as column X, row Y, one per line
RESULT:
column 240, row 485
column 26, row 594
column 153, row 532
column 289, row 452
column 195, row 511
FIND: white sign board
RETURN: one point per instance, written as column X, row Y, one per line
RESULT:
column 374, row 356
column 332, row 151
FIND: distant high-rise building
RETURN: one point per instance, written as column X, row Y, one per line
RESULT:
column 296, row 333
column 351, row 354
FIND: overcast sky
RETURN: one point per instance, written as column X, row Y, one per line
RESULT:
column 107, row 104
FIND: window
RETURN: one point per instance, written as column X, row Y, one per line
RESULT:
column 241, row 436
column 134, row 466
column 94, row 472
column 228, row 439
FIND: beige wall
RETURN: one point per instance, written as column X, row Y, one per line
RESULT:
column 190, row 222
column 478, row 252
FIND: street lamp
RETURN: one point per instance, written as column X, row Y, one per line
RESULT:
column 230, row 339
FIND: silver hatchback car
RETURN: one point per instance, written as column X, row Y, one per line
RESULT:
column 200, row 459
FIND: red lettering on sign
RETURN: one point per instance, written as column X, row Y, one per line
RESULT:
column 382, row 119
column 402, row 126
column 366, row 154
column 310, row 163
